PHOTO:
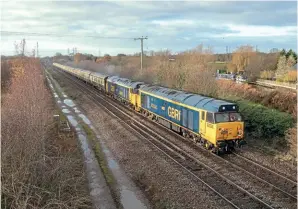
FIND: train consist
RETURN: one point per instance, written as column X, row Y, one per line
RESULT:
column 216, row 124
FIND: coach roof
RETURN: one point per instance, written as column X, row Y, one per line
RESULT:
column 100, row 75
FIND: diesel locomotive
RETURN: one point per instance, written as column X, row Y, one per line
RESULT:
column 216, row 124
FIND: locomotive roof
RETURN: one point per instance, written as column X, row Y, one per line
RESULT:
column 189, row 99
column 124, row 81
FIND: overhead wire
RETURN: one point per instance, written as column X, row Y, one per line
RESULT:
column 60, row 35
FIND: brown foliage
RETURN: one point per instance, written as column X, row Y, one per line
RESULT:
column 270, row 61
column 279, row 99
column 242, row 57
column 267, row 74
column 190, row 71
column 78, row 57
column 253, row 68
column 107, row 57
column 290, row 76
column 232, row 68
column 35, row 173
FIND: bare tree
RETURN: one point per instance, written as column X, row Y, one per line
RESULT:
column 241, row 57
column 253, row 69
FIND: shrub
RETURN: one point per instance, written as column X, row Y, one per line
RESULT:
column 263, row 121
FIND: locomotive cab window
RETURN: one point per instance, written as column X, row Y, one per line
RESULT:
column 227, row 117
column 210, row 118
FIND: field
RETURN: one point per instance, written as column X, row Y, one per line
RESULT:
column 218, row 65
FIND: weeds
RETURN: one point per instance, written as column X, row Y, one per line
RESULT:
column 40, row 168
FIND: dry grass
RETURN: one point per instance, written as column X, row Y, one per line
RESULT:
column 40, row 169
column 5, row 75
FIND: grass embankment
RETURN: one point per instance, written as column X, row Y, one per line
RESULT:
column 41, row 168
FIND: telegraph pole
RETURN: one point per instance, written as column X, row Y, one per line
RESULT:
column 142, row 39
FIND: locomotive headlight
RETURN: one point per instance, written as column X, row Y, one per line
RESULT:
column 240, row 132
column 224, row 131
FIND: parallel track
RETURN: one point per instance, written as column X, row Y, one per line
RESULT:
column 195, row 167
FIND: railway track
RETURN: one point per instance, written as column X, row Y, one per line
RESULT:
column 288, row 184
column 216, row 178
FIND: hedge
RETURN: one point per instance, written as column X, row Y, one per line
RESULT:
column 264, row 122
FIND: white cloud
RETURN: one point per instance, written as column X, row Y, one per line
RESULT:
column 174, row 25
column 259, row 31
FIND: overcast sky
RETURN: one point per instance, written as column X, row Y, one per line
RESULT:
column 174, row 25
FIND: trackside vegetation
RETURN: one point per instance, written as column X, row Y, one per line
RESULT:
column 41, row 166
column 264, row 122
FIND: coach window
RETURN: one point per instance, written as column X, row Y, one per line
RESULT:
column 210, row 118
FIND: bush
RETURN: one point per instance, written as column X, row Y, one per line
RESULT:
column 263, row 121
